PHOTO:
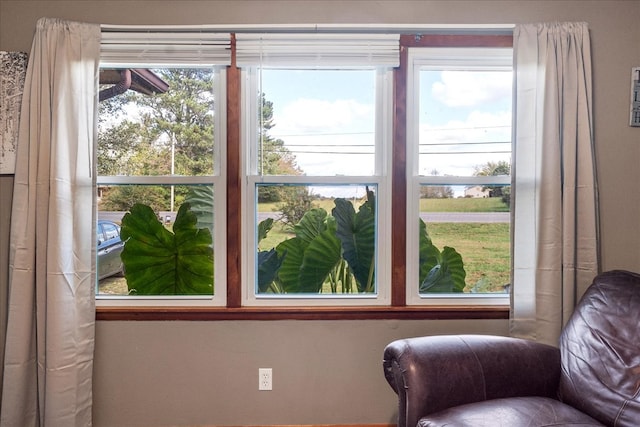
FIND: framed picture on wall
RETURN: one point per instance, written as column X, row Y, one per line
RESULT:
column 634, row 119
column 13, row 68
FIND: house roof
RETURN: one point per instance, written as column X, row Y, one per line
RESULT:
column 141, row 80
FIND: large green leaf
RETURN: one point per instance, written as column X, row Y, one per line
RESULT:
column 311, row 255
column 320, row 257
column 312, row 224
column 356, row 232
column 439, row 271
column 268, row 261
column 429, row 254
column 268, row 265
column 264, row 227
column 447, row 276
column 159, row 262
column 200, row 198
column 292, row 253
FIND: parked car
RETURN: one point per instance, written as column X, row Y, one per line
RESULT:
column 108, row 250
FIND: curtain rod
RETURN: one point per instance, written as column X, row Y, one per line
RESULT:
column 324, row 28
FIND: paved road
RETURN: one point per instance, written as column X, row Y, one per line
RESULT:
column 117, row 216
column 484, row 217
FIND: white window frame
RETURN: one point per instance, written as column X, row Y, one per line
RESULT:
column 381, row 179
column 165, row 49
column 442, row 58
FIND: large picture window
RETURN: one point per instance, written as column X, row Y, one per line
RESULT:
column 303, row 175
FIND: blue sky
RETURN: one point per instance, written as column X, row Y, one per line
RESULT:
column 318, row 108
column 314, row 108
column 462, row 107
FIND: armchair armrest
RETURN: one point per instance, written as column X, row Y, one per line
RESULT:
column 430, row 374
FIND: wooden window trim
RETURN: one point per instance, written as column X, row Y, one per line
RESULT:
column 234, row 184
column 398, row 308
column 302, row 313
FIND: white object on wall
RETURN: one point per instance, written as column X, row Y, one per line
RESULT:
column 634, row 119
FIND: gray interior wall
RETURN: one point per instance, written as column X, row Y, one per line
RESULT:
column 189, row 373
column 194, row 373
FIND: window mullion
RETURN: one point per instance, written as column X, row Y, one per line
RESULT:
column 234, row 185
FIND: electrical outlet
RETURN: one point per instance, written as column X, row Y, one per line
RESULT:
column 265, row 379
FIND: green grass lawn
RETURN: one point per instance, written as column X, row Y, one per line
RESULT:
column 484, row 246
column 326, row 204
column 490, row 204
column 484, row 249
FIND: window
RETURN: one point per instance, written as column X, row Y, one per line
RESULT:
column 161, row 141
column 458, row 204
column 317, row 137
column 285, row 176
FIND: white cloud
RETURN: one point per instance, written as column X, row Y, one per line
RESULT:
column 478, row 126
column 304, row 115
column 467, row 89
column 321, row 133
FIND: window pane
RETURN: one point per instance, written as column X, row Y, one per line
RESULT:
column 162, row 125
column 464, row 239
column 464, row 120
column 157, row 250
column 316, row 240
column 317, row 122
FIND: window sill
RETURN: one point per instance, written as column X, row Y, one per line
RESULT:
column 302, row 313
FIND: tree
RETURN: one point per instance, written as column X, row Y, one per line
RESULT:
column 436, row 191
column 158, row 134
column 274, row 159
column 295, row 201
column 121, row 198
column 182, row 118
column 498, row 168
column 139, row 134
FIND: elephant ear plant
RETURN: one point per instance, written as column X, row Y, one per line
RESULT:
column 160, row 262
column 200, row 198
column 268, row 261
column 356, row 232
column 329, row 253
column 441, row 272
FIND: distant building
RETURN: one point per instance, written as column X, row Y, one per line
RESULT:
column 477, row 191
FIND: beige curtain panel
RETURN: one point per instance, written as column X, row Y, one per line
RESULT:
column 50, row 330
column 555, row 248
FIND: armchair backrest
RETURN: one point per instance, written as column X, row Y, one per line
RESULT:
column 600, row 351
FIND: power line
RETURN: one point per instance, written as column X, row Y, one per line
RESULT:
column 330, row 145
column 451, row 144
column 323, row 152
column 464, row 152
column 283, row 135
column 468, row 128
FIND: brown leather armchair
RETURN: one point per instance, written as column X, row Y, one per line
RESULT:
column 593, row 379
